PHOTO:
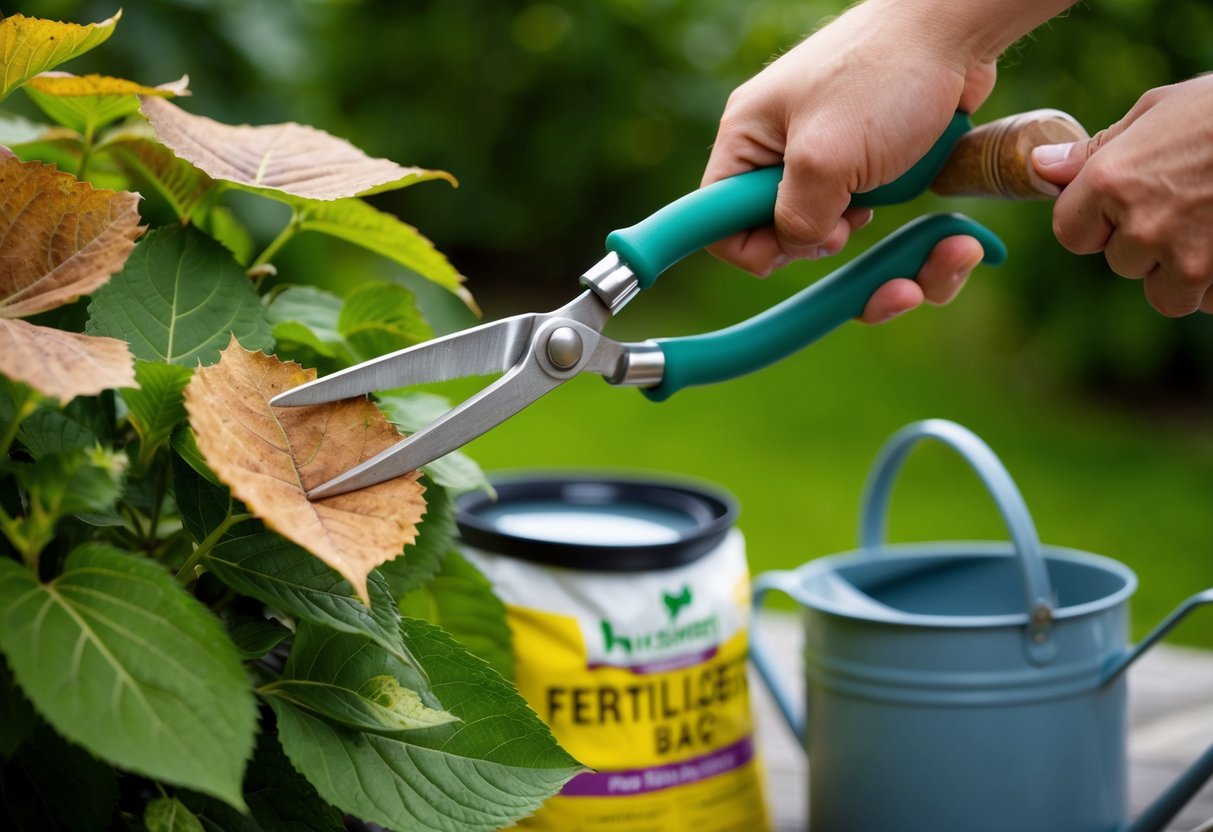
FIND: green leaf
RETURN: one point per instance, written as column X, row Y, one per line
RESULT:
column 29, row 46
column 308, row 316
column 168, row 814
column 460, row 600
column 156, row 407
column 179, row 300
column 122, row 660
column 186, row 446
column 145, row 160
column 494, row 767
column 52, row 429
column 83, row 114
column 411, row 412
column 255, row 636
column 17, row 718
column 60, row 485
column 357, row 222
column 220, row 223
column 279, row 797
column 459, row 472
column 380, row 317
column 292, row 579
column 50, row 786
column 351, row 680
column 16, row 130
column 69, row 483
column 435, row 537
column 202, row 504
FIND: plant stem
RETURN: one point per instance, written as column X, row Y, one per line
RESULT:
column 183, row 574
column 22, row 407
column 158, row 496
column 9, row 526
column 133, row 516
column 86, row 152
column 292, row 227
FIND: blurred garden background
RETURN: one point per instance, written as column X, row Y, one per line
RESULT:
column 564, row 120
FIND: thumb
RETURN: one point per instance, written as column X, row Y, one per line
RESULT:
column 1060, row 163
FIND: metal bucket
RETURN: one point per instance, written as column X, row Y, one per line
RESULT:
column 961, row 686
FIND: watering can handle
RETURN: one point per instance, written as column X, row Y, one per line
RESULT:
column 873, row 516
column 793, row 715
column 1166, row 806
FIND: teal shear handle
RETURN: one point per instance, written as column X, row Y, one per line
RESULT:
column 723, row 208
column 712, row 213
column 813, row 312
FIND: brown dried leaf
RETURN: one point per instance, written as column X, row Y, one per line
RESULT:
column 64, row 364
column 59, row 238
column 271, row 456
column 289, row 158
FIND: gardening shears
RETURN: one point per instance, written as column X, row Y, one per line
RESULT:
column 537, row 352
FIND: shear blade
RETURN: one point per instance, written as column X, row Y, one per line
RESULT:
column 483, row 350
column 511, row 393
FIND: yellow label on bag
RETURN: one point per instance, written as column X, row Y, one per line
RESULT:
column 642, row 677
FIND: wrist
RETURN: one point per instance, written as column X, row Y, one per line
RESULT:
column 964, row 33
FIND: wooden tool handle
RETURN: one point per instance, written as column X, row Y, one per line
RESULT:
column 994, row 159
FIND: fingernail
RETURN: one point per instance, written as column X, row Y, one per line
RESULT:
column 818, row 252
column 893, row 313
column 1052, row 154
column 780, row 261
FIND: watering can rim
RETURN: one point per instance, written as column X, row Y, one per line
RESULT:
column 953, row 548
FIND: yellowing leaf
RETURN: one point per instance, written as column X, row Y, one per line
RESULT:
column 88, row 102
column 67, row 84
column 277, row 159
column 59, row 238
column 271, row 456
column 63, row 364
column 29, row 46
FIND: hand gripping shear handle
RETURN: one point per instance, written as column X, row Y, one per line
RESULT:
column 537, row 352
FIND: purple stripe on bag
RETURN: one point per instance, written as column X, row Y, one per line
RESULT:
column 644, row 780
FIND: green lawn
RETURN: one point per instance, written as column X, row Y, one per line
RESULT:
column 794, row 442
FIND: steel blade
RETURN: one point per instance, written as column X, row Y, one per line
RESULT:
column 475, row 416
column 489, row 348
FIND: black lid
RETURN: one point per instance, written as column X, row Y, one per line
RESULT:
column 692, row 518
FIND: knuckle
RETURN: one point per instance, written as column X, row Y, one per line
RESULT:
column 1067, row 233
column 794, row 225
column 1143, row 232
column 1193, row 270
column 1151, row 97
column 1169, row 303
column 1105, row 176
column 1098, row 140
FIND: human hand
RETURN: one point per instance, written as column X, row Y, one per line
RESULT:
column 853, row 107
column 850, row 108
column 1141, row 192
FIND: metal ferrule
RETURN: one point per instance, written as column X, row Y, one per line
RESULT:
column 612, row 281
column 641, row 365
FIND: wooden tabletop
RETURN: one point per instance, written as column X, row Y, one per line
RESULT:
column 1170, row 710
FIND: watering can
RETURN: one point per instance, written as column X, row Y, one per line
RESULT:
column 962, row 686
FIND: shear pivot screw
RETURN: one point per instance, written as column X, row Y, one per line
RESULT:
column 564, row 348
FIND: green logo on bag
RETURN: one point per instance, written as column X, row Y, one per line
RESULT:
column 675, row 603
column 665, row 638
